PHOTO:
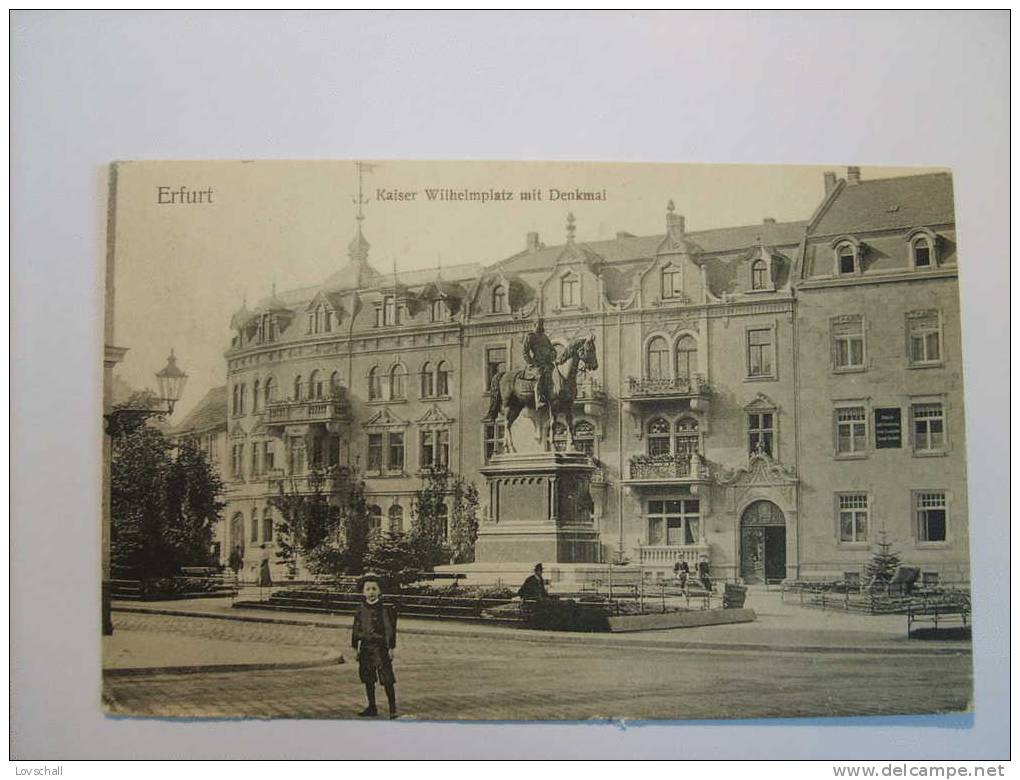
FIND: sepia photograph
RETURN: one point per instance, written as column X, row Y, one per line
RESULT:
column 533, row 441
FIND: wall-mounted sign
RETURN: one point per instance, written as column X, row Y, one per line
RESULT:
column 888, row 428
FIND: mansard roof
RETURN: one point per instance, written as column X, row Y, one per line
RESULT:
column 628, row 248
column 209, row 413
column 902, row 202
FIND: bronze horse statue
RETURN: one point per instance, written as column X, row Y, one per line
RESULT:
column 512, row 393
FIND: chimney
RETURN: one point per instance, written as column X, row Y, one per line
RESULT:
column 769, row 221
column 533, row 243
column 853, row 174
column 830, row 181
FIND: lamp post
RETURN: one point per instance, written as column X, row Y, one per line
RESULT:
column 119, row 422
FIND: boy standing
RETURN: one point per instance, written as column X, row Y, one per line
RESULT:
column 373, row 637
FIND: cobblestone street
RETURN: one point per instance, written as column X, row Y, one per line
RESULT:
column 446, row 678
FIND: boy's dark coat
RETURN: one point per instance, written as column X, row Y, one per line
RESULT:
column 363, row 625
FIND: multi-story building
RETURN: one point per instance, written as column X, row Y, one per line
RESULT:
column 880, row 377
column 723, row 417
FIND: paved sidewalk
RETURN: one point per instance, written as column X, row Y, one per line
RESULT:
column 130, row 652
column 781, row 627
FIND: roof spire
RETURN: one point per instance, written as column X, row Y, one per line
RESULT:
column 358, row 248
column 571, row 227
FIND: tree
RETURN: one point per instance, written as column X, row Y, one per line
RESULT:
column 327, row 532
column 163, row 505
column 395, row 558
column 430, row 513
column 445, row 499
column 463, row 519
column 884, row 563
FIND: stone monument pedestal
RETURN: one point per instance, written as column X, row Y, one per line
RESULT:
column 539, row 510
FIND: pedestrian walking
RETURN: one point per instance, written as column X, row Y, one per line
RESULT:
column 374, row 638
column 681, row 573
column 703, row 574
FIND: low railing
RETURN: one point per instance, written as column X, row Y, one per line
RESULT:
column 660, row 386
column 668, row 467
column 668, row 554
column 589, row 389
column 309, row 410
column 327, row 481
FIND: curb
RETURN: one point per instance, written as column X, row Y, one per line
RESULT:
column 595, row 640
column 333, row 659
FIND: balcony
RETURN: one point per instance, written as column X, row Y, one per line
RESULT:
column 681, row 387
column 328, row 480
column 665, row 555
column 311, row 410
column 590, row 395
column 667, row 469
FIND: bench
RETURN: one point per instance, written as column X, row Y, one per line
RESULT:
column 935, row 614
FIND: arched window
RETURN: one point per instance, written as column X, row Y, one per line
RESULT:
column 759, row 275
column 299, row 388
column 236, row 406
column 267, row 524
column 269, row 392
column 254, row 525
column 374, row 384
column 584, row 438
column 428, row 381
column 686, row 440
column 396, row 519
column 846, row 258
column 237, row 532
column 335, row 383
column 443, row 378
column 255, row 397
column 443, row 515
column 671, row 285
column 570, row 291
column 498, row 298
column 315, row 385
column 686, row 357
column 397, row 385
column 375, row 519
column 658, row 437
column 922, row 252
column 658, row 358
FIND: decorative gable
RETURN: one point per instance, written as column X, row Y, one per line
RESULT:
column 384, row 418
column 434, row 417
column 761, row 403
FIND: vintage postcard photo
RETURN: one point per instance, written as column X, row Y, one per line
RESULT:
column 533, row 441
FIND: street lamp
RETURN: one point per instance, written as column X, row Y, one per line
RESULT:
column 170, row 380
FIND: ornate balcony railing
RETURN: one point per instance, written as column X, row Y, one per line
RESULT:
column 680, row 386
column 589, row 389
column 667, row 467
column 309, row 410
column 666, row 555
column 327, row 480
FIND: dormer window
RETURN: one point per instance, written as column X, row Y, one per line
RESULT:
column 498, row 299
column 438, row 310
column 390, row 311
column 846, row 259
column 759, row 275
column 923, row 245
column 671, row 282
column 570, row 291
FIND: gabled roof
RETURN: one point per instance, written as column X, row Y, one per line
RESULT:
column 888, row 204
column 209, row 413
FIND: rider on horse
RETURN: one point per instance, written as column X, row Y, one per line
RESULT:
column 540, row 358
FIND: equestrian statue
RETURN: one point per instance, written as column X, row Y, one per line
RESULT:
column 546, row 387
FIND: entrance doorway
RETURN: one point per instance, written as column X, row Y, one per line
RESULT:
column 762, row 543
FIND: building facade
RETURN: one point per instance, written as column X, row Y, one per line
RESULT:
column 735, row 369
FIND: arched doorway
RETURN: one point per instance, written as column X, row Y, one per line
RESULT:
column 762, row 543
column 236, row 539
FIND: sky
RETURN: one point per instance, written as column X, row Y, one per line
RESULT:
column 181, row 270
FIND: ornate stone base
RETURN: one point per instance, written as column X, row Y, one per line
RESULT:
column 539, row 510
